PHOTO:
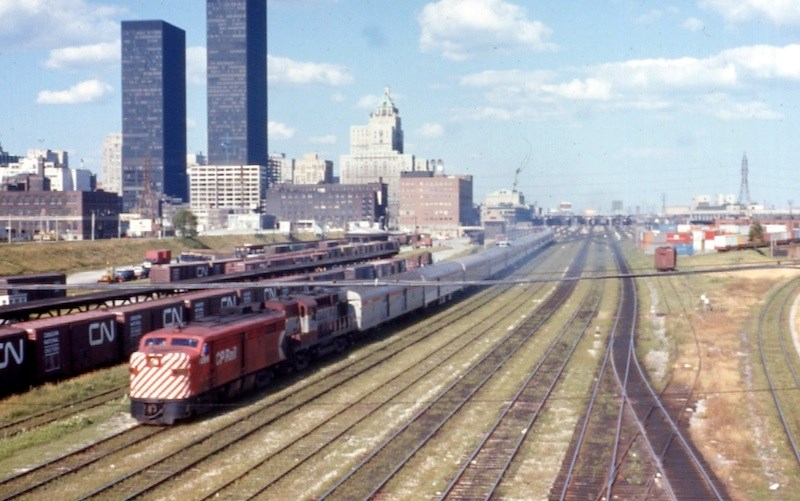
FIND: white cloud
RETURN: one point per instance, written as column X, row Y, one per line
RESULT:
column 459, row 28
column 693, row 24
column 82, row 56
column 737, row 11
column 369, row 101
column 329, row 139
column 431, row 130
column 277, row 130
column 196, row 65
column 575, row 89
column 754, row 110
column 766, row 61
column 47, row 24
column 659, row 85
column 338, row 97
column 283, row 69
column 88, row 91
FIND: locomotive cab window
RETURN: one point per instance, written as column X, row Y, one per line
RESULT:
column 155, row 341
column 180, row 341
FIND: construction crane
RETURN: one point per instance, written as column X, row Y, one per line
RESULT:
column 522, row 165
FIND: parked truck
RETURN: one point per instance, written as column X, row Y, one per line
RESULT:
column 158, row 256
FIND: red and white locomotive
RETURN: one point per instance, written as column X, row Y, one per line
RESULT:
column 180, row 371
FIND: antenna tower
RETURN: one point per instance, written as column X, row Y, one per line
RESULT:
column 744, row 189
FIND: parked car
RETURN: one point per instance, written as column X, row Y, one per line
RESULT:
column 141, row 271
column 124, row 275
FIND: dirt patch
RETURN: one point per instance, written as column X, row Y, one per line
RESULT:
column 729, row 423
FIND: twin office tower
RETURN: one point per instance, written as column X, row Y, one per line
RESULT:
column 154, row 98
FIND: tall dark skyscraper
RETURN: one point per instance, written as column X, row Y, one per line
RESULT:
column 153, row 114
column 237, row 81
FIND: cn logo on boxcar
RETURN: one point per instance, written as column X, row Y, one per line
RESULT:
column 98, row 331
column 8, row 351
column 172, row 316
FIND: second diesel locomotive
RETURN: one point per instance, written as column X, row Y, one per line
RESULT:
column 178, row 372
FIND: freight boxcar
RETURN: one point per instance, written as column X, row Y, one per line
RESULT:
column 169, row 273
column 73, row 344
column 665, row 258
column 209, row 302
column 16, row 363
column 135, row 320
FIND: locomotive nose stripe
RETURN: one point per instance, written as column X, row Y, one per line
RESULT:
column 159, row 382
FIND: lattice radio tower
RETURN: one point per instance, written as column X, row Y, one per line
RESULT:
column 744, row 189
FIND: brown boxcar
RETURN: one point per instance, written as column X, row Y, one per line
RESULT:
column 135, row 320
column 16, row 364
column 208, row 302
column 133, row 323
column 665, row 258
column 168, row 273
column 50, row 343
column 72, row 344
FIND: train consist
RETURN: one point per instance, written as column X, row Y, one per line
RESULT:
column 277, row 261
column 181, row 371
column 54, row 348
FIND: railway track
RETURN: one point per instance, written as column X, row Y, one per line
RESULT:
column 61, row 411
column 684, row 474
column 25, row 483
column 780, row 362
column 631, row 476
column 484, row 469
column 374, row 470
column 261, row 477
column 131, row 483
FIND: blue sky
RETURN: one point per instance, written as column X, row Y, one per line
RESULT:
column 613, row 99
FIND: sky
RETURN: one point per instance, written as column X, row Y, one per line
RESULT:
column 592, row 101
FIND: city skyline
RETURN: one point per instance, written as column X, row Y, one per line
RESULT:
column 627, row 103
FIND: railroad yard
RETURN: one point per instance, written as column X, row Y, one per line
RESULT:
column 584, row 375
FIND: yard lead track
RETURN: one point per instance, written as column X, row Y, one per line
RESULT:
column 580, row 477
column 145, row 479
column 484, row 469
column 780, row 364
column 685, row 473
column 261, row 477
column 378, row 466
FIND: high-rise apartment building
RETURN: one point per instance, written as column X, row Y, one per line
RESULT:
column 112, row 163
column 280, row 169
column 153, row 114
column 310, row 169
column 376, row 154
column 227, row 186
column 236, row 51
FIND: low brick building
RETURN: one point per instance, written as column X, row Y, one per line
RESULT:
column 435, row 203
column 63, row 215
column 332, row 205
